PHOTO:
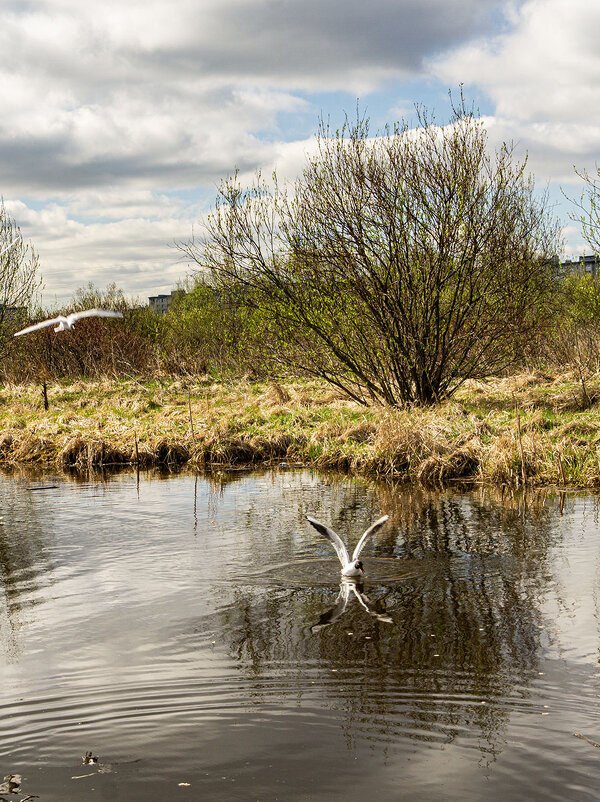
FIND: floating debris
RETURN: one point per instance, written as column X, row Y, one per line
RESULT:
column 11, row 784
column 585, row 738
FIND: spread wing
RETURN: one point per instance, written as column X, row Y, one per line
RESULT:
column 93, row 313
column 338, row 545
column 41, row 325
column 370, row 531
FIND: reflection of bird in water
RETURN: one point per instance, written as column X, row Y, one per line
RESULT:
column 348, row 586
column 68, row 323
column 354, row 566
column 90, row 759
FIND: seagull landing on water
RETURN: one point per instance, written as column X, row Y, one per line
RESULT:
column 67, row 323
column 354, row 566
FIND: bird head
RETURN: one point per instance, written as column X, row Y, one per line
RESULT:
column 359, row 566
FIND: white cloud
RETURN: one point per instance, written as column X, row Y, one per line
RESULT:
column 177, row 92
column 119, row 119
column 543, row 76
column 137, row 253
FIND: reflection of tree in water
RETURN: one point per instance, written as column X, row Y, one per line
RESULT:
column 275, row 503
column 23, row 563
column 466, row 635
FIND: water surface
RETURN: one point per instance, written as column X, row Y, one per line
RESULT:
column 189, row 633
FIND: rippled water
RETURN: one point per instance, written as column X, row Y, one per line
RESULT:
column 192, row 635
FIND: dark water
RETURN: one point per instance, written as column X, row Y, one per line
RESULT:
column 187, row 630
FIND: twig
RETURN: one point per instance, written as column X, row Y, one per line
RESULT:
column 523, row 469
column 133, row 379
column 561, row 469
column 191, row 420
column 585, row 738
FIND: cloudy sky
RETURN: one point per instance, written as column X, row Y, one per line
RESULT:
column 119, row 119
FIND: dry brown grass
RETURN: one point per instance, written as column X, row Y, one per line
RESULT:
column 82, row 454
column 363, row 432
column 508, row 454
column 439, row 469
column 93, row 425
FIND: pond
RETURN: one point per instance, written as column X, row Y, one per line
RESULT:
column 181, row 636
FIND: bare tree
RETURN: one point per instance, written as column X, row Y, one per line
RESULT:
column 398, row 265
column 588, row 208
column 18, row 277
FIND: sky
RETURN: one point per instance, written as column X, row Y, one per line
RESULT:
column 119, row 120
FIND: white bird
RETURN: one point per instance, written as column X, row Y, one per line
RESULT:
column 354, row 566
column 67, row 323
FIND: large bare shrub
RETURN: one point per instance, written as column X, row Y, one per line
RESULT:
column 398, row 265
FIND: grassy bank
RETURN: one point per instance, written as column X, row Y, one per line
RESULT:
column 528, row 428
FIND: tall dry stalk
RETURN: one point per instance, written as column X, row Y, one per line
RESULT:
column 523, row 468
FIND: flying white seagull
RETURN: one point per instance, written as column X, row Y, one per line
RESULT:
column 67, row 323
column 354, row 566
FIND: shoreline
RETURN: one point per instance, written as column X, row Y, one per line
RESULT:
column 526, row 430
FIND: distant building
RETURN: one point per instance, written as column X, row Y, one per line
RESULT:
column 585, row 264
column 161, row 303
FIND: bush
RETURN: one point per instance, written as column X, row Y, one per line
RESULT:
column 398, row 266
